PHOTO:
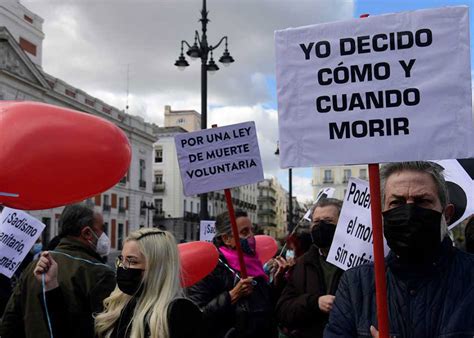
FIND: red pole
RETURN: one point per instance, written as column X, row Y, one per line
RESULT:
column 379, row 258
column 235, row 233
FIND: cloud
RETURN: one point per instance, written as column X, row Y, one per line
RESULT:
column 97, row 45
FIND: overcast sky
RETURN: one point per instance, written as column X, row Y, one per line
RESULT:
column 89, row 43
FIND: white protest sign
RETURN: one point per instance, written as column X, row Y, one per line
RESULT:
column 460, row 190
column 353, row 241
column 386, row 88
column 207, row 231
column 18, row 233
column 323, row 193
column 219, row 158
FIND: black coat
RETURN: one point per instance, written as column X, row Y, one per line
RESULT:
column 250, row 317
column 178, row 310
column 435, row 300
column 297, row 309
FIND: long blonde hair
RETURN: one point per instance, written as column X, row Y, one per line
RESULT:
column 161, row 285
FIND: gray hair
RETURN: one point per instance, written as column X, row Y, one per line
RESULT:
column 74, row 218
column 326, row 202
column 431, row 168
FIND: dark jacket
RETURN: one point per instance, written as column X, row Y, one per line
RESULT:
column 251, row 317
column 179, row 308
column 297, row 309
column 84, row 284
column 434, row 300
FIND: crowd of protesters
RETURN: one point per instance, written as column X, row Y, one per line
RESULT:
column 70, row 292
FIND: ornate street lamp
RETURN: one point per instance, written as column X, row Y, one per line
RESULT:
column 201, row 49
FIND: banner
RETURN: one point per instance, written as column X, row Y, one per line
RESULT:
column 387, row 88
column 219, row 158
column 323, row 193
column 18, row 233
column 207, row 231
column 460, row 189
column 353, row 241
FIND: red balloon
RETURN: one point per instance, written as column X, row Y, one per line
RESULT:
column 52, row 156
column 198, row 259
column 266, row 247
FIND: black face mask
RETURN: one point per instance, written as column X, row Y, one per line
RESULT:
column 413, row 232
column 323, row 234
column 248, row 245
column 129, row 280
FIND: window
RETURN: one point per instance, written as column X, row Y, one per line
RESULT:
column 89, row 102
column 363, row 174
column 142, row 167
column 107, row 110
column 328, row 176
column 347, row 175
column 159, row 155
column 70, row 93
column 191, row 206
column 159, row 178
column 27, row 46
column 27, row 18
column 159, row 205
column 181, row 121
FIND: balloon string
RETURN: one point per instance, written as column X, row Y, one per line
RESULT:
column 7, row 194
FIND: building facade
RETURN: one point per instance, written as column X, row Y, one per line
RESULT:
column 22, row 78
column 273, row 208
column 337, row 177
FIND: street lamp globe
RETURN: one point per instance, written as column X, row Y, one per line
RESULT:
column 226, row 59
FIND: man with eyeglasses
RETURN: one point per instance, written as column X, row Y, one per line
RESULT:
column 85, row 282
column 304, row 306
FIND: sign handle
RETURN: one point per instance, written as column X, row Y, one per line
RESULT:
column 235, row 233
column 379, row 258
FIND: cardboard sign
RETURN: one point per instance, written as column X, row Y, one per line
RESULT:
column 323, row 193
column 387, row 88
column 353, row 240
column 18, row 233
column 460, row 190
column 219, row 158
column 207, row 231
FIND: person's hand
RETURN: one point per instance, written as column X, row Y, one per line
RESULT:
column 374, row 332
column 243, row 288
column 47, row 265
column 326, row 302
column 282, row 267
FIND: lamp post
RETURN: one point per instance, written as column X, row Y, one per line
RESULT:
column 148, row 207
column 290, row 192
column 201, row 49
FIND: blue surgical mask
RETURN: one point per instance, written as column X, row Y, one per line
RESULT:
column 37, row 247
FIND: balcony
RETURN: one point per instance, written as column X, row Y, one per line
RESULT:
column 263, row 199
column 190, row 216
column 268, row 224
column 158, row 216
column 328, row 180
column 106, row 208
column 142, row 184
column 121, row 209
column 159, row 187
column 265, row 212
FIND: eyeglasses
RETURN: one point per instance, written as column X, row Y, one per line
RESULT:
column 124, row 263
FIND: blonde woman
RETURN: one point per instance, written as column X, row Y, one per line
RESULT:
column 148, row 300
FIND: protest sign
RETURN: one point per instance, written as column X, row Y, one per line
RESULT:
column 207, row 231
column 219, row 158
column 460, row 189
column 393, row 87
column 18, row 232
column 352, row 243
column 323, row 193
